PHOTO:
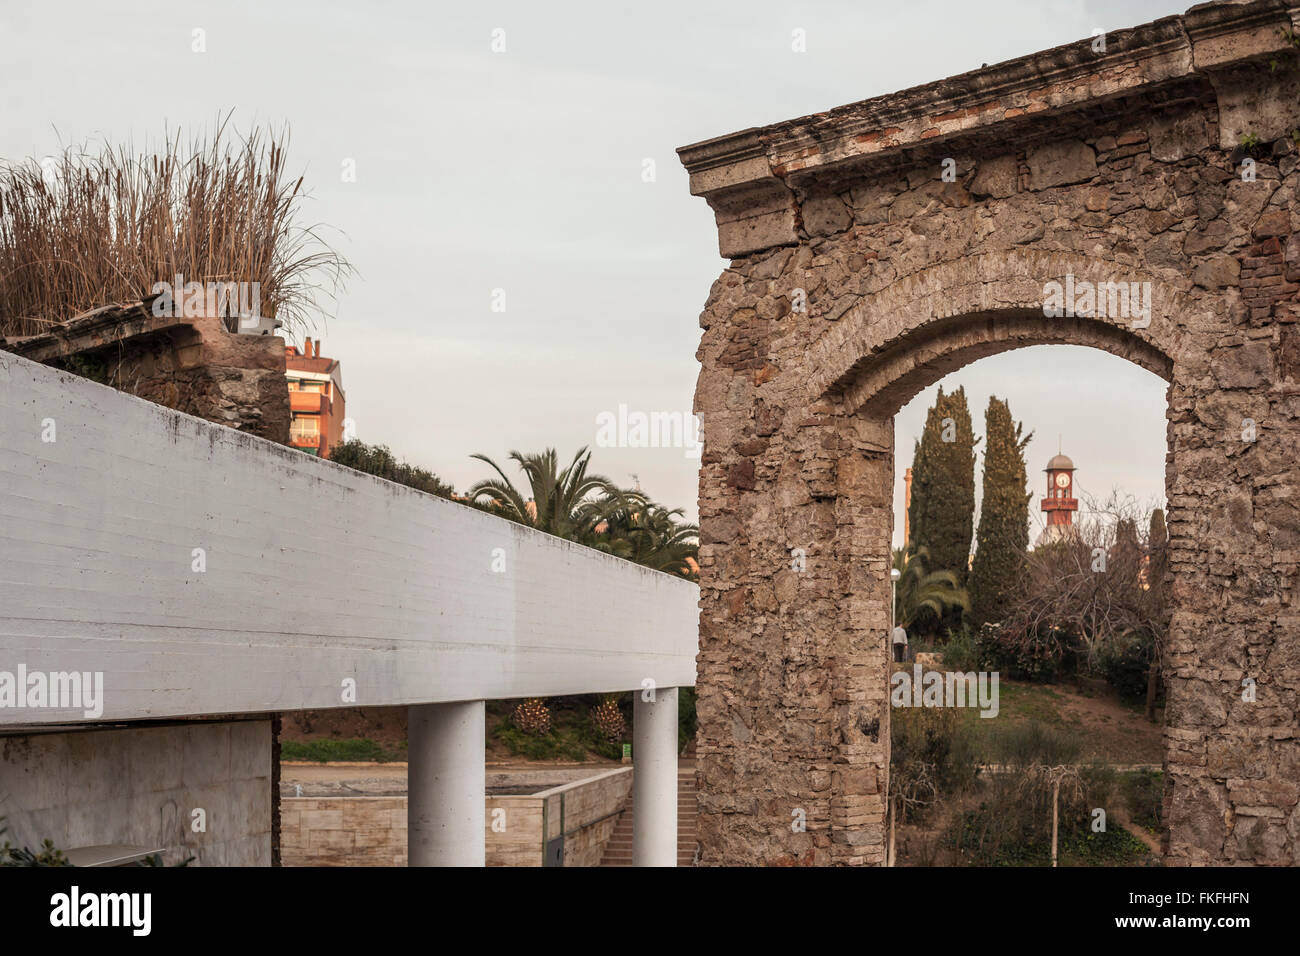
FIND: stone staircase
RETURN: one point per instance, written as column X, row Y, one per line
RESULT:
column 618, row 852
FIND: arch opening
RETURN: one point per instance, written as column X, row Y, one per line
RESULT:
column 881, row 383
column 1108, row 731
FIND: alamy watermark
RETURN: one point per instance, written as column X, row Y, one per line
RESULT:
column 945, row 689
column 1081, row 298
column 179, row 299
column 126, row 910
column 61, row 690
column 635, row 429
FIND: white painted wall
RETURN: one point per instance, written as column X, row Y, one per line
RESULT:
column 315, row 573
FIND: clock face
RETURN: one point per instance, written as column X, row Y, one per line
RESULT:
column 1062, row 480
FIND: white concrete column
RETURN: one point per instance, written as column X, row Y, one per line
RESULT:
column 445, row 784
column 654, row 779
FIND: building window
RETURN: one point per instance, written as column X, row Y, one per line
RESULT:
column 305, row 428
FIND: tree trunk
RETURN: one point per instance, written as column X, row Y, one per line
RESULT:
column 1153, row 680
column 1056, row 793
column 889, row 858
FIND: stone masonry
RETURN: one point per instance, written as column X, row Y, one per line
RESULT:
column 860, row 274
column 193, row 364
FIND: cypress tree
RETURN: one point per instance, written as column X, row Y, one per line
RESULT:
column 1127, row 553
column 943, row 485
column 1003, row 534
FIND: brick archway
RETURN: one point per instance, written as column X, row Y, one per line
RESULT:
column 860, row 274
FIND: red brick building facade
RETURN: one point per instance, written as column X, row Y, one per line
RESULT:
column 316, row 399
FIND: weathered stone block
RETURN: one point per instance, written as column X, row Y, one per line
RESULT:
column 1177, row 137
column 1217, row 272
column 1246, row 366
column 997, row 177
column 826, row 215
column 1275, row 222
column 1060, row 164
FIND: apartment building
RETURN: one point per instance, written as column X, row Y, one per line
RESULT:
column 316, row 400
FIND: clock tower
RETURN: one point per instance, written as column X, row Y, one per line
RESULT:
column 1059, row 503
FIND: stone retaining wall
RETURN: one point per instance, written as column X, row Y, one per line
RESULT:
column 371, row 831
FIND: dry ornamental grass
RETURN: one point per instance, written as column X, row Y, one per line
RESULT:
column 92, row 227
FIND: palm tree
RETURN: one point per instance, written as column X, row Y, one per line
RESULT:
column 919, row 590
column 651, row 535
column 568, row 504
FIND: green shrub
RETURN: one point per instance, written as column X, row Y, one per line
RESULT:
column 47, row 855
column 1143, row 790
column 380, row 461
column 329, row 751
column 1044, row 660
column 1078, row 845
column 1012, row 826
column 1029, row 743
column 962, row 651
column 1125, row 665
column 931, row 757
column 552, row 745
column 572, row 734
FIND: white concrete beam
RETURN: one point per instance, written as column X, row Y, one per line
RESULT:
column 205, row 571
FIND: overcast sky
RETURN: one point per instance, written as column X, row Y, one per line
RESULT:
column 524, row 171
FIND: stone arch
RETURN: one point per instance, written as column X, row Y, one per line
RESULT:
column 859, row 273
column 895, row 342
column 912, row 362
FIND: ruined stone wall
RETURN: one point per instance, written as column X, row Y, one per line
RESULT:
column 193, row 365
column 903, row 277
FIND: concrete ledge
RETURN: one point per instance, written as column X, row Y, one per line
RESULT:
column 202, row 571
